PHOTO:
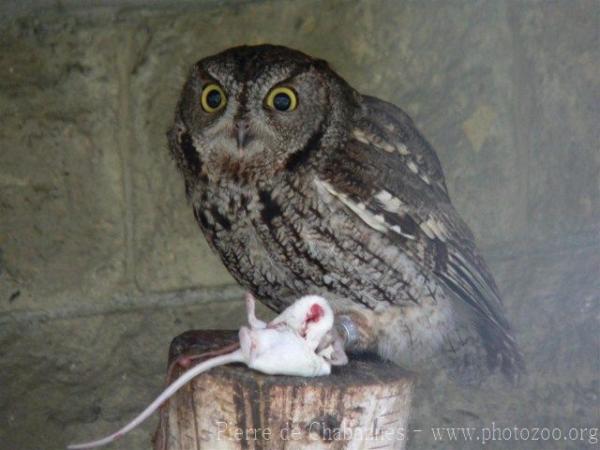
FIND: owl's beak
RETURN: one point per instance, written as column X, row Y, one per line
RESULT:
column 242, row 134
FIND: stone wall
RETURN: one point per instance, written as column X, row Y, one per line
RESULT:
column 93, row 219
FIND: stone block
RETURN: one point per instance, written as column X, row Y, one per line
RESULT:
column 61, row 189
column 72, row 379
column 446, row 64
column 556, row 66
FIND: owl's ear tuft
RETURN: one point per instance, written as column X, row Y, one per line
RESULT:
column 321, row 64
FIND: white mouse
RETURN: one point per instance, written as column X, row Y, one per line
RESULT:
column 300, row 341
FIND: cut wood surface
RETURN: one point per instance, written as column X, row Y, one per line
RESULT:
column 364, row 405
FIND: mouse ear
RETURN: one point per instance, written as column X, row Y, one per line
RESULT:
column 315, row 313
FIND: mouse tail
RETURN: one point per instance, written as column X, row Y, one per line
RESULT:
column 235, row 356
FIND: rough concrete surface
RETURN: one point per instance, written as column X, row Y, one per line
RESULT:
column 70, row 380
column 61, row 190
column 101, row 263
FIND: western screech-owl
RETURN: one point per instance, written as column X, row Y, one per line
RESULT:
column 304, row 186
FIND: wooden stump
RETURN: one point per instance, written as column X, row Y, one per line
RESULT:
column 364, row 405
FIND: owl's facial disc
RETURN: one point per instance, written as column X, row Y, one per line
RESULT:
column 252, row 112
column 268, row 117
column 260, row 119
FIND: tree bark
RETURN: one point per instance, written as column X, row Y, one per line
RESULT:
column 364, row 405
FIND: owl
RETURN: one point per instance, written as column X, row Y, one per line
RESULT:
column 302, row 185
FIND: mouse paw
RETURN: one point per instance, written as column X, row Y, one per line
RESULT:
column 253, row 321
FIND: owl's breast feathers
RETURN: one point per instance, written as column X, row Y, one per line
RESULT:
column 389, row 178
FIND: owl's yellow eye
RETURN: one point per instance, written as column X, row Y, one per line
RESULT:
column 213, row 98
column 282, row 99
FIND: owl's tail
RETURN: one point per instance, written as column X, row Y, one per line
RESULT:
column 480, row 346
column 501, row 350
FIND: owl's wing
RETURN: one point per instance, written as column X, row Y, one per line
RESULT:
column 390, row 177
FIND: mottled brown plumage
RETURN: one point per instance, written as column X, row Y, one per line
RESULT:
column 339, row 196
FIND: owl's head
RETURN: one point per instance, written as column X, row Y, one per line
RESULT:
column 257, row 109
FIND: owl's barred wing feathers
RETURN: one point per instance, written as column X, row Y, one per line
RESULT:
column 389, row 177
column 330, row 191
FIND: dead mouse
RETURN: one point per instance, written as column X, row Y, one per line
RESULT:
column 300, row 341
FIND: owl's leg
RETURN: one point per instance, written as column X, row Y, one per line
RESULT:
column 409, row 335
column 356, row 328
column 428, row 337
column 347, row 330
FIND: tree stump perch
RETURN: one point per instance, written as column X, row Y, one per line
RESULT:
column 364, row 405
